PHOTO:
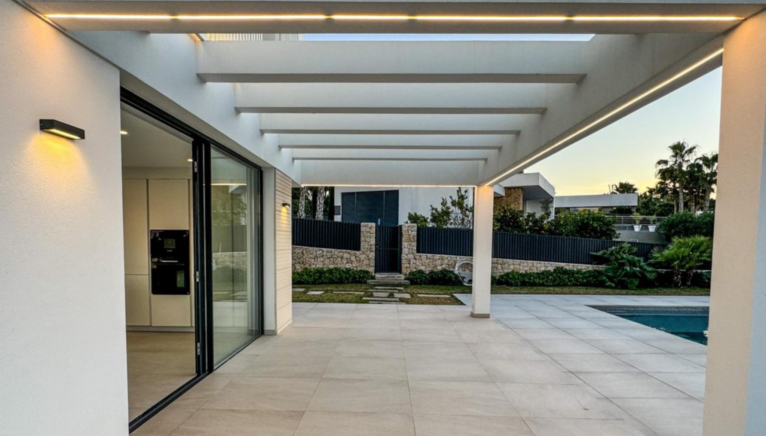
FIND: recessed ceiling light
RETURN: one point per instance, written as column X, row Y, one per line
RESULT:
column 123, row 132
column 189, row 160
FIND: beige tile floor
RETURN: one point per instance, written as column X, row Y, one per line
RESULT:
column 158, row 364
column 541, row 366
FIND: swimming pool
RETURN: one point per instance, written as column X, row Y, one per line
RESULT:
column 687, row 322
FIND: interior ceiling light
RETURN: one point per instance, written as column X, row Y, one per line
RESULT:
column 123, row 132
column 603, row 118
column 361, row 17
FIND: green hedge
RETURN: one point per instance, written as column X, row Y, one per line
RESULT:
column 685, row 224
column 331, row 276
column 439, row 277
column 556, row 277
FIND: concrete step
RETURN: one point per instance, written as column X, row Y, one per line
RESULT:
column 388, row 288
column 389, row 276
column 377, row 282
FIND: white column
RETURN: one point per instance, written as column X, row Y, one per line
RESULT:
column 483, row 205
column 735, row 395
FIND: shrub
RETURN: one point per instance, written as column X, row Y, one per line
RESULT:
column 444, row 277
column 623, row 269
column 556, row 277
column 685, row 224
column 331, row 276
column 584, row 224
column 683, row 256
column 418, row 277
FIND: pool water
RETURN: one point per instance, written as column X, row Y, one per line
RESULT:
column 687, row 322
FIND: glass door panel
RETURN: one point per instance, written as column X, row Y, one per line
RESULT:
column 235, row 212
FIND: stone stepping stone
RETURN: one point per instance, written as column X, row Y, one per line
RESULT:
column 299, row 289
column 381, row 294
column 434, row 295
column 385, row 302
column 371, row 299
column 314, row 292
column 388, row 288
column 397, row 295
column 348, row 292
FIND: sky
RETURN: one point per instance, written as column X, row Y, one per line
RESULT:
column 626, row 150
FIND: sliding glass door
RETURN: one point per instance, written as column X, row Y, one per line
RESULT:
column 235, row 213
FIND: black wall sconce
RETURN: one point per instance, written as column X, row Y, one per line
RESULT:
column 287, row 206
column 62, row 129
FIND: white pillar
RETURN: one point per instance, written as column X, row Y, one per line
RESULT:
column 483, row 205
column 735, row 395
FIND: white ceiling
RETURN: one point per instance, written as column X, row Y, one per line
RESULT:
column 150, row 144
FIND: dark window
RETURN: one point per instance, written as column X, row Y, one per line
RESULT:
column 379, row 207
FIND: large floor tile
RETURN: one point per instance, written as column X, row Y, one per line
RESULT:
column 379, row 396
column 313, row 334
column 557, row 401
column 446, row 370
column 164, row 423
column 239, row 423
column 430, row 335
column 276, row 365
column 623, row 346
column 672, row 344
column 565, row 346
column 370, row 349
column 581, row 427
column 659, row 363
column 495, row 337
column 545, row 333
column 690, row 383
column 265, row 393
column 355, row 424
column 519, row 371
column 592, row 363
column 528, row 323
column 629, row 385
column 372, row 334
column 300, row 347
column 203, row 391
column 506, row 351
column 459, row 398
column 366, row 368
column 666, row 417
column 438, row 350
column 462, row 425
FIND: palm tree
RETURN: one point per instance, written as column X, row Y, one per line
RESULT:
column 304, row 197
column 673, row 170
column 709, row 165
column 321, row 194
column 623, row 188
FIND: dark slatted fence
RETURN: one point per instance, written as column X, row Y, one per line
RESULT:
column 327, row 234
column 459, row 242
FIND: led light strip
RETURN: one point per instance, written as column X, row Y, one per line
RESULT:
column 361, row 17
column 600, row 120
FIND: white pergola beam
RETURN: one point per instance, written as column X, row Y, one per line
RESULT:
column 387, row 98
column 401, row 142
column 368, row 124
column 434, row 154
column 379, row 173
column 391, row 62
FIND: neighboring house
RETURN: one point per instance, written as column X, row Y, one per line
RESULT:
column 602, row 202
column 385, row 206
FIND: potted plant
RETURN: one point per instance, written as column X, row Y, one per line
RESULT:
column 652, row 223
column 637, row 219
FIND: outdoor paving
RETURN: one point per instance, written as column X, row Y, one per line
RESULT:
column 542, row 365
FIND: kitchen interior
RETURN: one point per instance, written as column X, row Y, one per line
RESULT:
column 159, row 290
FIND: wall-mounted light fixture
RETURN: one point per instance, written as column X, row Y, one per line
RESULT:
column 62, row 129
column 287, row 206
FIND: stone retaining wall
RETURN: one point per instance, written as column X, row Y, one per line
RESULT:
column 412, row 260
column 312, row 257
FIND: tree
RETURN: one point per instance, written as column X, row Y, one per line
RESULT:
column 462, row 212
column 709, row 165
column 673, row 171
column 321, row 195
column 452, row 212
column 623, row 188
column 305, row 196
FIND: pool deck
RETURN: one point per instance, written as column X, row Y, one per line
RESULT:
column 542, row 365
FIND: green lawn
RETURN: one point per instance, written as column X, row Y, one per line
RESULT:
column 417, row 292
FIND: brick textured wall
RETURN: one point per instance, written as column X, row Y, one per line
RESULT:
column 412, row 260
column 312, row 257
column 514, row 197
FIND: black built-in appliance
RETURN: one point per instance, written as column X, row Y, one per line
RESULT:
column 170, row 262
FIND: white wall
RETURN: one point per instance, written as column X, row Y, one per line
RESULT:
column 277, row 252
column 63, row 367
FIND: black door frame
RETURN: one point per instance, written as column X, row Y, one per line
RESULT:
column 202, row 231
column 383, row 239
